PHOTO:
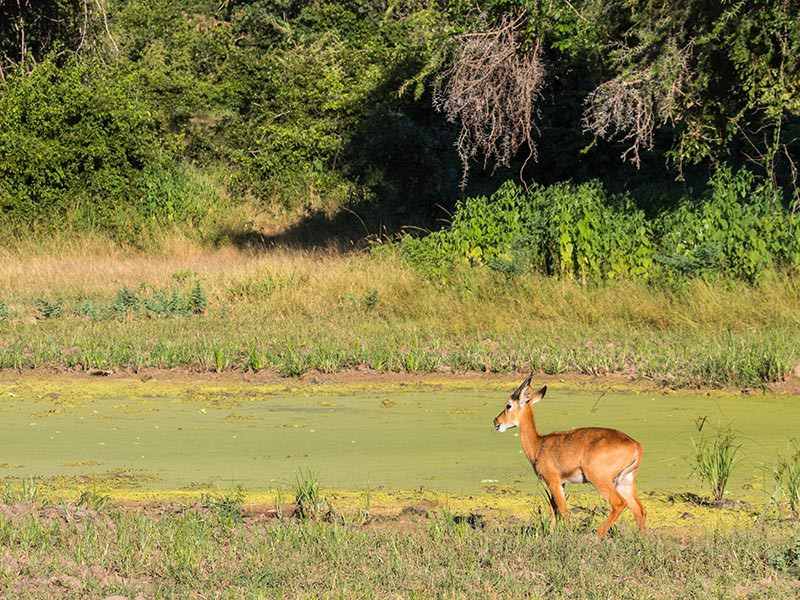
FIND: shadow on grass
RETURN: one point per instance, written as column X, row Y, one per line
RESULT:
column 346, row 230
column 698, row 500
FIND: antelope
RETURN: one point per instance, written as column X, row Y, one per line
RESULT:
column 606, row 458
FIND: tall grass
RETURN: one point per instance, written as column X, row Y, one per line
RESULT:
column 714, row 456
column 296, row 311
column 309, row 502
column 786, row 473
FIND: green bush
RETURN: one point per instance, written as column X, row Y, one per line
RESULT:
column 72, row 148
column 564, row 229
column 581, row 231
column 737, row 230
column 81, row 151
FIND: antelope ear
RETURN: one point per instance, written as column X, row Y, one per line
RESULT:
column 528, row 395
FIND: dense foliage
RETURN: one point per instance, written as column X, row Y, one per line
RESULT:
column 119, row 116
column 157, row 112
column 586, row 232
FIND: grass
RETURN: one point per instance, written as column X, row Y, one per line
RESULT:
column 786, row 473
column 28, row 491
column 714, row 456
column 293, row 311
column 308, row 501
column 192, row 551
column 225, row 505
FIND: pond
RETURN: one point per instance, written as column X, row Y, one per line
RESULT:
column 185, row 434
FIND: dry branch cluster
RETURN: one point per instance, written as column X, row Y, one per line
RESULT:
column 628, row 107
column 36, row 29
column 491, row 90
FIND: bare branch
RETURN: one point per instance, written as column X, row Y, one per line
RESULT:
column 101, row 6
column 491, row 89
column 629, row 107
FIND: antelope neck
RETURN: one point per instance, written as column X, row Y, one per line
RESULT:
column 527, row 433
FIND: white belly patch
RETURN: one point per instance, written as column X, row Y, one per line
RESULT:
column 576, row 477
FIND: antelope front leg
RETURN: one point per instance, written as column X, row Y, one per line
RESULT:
column 557, row 500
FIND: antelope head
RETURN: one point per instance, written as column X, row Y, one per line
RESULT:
column 510, row 415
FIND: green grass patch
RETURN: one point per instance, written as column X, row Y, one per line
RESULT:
column 714, row 456
column 165, row 552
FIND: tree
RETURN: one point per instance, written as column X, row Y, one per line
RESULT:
column 33, row 29
column 707, row 82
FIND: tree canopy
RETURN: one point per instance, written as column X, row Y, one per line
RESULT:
column 149, row 111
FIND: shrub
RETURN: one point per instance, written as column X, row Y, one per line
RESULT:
column 73, row 143
column 581, row 231
column 126, row 302
column 564, row 229
column 737, row 231
column 81, row 150
column 198, row 301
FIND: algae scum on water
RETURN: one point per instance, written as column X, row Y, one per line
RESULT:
column 129, row 435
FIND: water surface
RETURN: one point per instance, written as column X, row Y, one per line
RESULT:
column 184, row 435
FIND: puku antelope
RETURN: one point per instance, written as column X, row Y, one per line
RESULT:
column 606, row 458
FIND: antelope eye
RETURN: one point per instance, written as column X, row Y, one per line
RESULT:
column 508, row 406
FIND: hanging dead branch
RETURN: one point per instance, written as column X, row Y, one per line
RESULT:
column 31, row 30
column 491, row 90
column 629, row 107
column 624, row 111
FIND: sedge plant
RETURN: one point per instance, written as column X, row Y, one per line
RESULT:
column 309, row 502
column 714, row 455
column 786, row 474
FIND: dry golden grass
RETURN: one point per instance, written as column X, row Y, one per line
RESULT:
column 100, row 267
column 295, row 310
column 317, row 284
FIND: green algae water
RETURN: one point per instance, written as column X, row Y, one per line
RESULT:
column 184, row 435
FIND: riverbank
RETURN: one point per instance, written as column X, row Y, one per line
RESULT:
column 290, row 313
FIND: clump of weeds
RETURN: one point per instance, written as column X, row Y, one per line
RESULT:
column 228, row 506
column 27, row 492
column 786, row 474
column 93, row 500
column 309, row 502
column 714, row 456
